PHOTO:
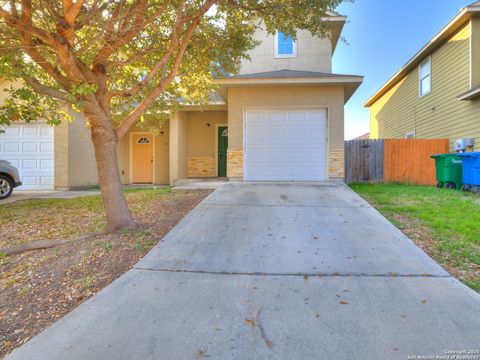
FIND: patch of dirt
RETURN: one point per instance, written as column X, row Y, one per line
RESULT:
column 39, row 287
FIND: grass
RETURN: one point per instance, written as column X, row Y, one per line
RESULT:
column 445, row 223
column 36, row 219
column 39, row 287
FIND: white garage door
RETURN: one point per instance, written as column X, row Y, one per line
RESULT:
column 285, row 145
column 30, row 149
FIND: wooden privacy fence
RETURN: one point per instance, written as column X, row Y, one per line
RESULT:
column 393, row 160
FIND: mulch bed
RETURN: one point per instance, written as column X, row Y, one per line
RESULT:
column 39, row 287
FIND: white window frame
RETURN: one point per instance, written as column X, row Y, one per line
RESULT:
column 284, row 56
column 409, row 135
column 420, row 94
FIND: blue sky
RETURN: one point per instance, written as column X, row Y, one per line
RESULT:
column 382, row 36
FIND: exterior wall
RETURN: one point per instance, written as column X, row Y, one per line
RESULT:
column 336, row 163
column 123, row 153
column 202, row 140
column 436, row 115
column 313, row 54
column 82, row 168
column 161, row 156
column 331, row 97
column 178, row 147
column 60, row 146
column 475, row 51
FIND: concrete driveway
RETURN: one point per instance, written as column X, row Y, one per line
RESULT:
column 273, row 271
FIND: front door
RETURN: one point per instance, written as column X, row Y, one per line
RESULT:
column 142, row 158
column 222, row 150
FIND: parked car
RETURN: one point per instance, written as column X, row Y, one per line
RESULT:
column 9, row 179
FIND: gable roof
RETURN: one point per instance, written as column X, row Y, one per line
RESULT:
column 458, row 21
column 284, row 77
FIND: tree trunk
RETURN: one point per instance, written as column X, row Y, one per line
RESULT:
column 116, row 208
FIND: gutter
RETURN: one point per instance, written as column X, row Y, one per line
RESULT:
column 470, row 95
column 289, row 81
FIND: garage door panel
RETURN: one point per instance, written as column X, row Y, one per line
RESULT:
column 11, row 147
column 29, row 131
column 295, row 118
column 295, row 135
column 256, row 137
column 12, row 131
column 275, row 119
column 29, row 164
column 257, row 119
column 30, row 148
column 276, row 136
column 47, row 131
column 46, row 164
column 46, row 147
column 46, row 182
column 290, row 145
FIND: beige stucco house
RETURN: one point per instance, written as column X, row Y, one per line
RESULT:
column 281, row 118
column 436, row 94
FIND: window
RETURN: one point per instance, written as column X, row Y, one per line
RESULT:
column 410, row 135
column 285, row 47
column 143, row 140
column 425, row 78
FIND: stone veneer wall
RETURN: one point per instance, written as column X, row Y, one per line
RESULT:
column 235, row 163
column 336, row 163
column 201, row 167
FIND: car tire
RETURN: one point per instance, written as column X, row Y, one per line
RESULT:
column 6, row 187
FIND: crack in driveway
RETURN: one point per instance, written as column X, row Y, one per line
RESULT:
column 292, row 274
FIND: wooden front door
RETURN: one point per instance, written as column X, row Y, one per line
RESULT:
column 142, row 158
column 222, row 150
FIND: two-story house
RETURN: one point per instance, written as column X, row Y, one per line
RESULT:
column 280, row 118
column 436, row 93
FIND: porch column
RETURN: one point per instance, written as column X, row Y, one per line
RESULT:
column 178, row 147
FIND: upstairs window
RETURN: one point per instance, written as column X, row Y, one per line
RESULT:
column 285, row 47
column 425, row 77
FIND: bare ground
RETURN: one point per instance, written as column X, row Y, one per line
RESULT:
column 39, row 287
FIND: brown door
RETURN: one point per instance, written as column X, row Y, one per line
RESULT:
column 142, row 158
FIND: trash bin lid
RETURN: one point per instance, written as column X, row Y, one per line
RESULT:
column 470, row 154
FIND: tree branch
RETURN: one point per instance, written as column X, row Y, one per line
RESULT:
column 110, row 47
column 46, row 90
column 133, row 117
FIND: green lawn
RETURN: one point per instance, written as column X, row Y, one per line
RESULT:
column 445, row 223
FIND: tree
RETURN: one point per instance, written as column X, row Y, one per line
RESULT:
column 124, row 61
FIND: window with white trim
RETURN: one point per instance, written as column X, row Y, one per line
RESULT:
column 425, row 77
column 285, row 46
column 410, row 135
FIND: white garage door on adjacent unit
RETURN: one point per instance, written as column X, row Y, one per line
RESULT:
column 29, row 147
column 285, row 145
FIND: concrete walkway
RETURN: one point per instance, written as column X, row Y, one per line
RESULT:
column 19, row 195
column 265, row 271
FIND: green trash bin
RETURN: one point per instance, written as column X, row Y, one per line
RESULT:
column 448, row 170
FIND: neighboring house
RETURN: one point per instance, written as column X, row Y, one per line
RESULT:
column 436, row 94
column 362, row 137
column 280, row 118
